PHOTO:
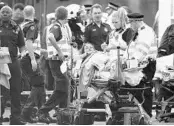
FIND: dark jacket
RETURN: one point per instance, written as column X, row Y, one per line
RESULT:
column 166, row 46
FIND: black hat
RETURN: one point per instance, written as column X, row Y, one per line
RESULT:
column 88, row 6
column 2, row 4
column 113, row 6
column 135, row 16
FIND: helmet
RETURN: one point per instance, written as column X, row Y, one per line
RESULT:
column 73, row 9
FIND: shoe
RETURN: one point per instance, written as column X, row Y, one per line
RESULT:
column 100, row 117
column 51, row 119
column 16, row 121
column 8, row 104
column 55, row 114
column 1, row 121
column 29, row 119
column 43, row 118
column 6, row 119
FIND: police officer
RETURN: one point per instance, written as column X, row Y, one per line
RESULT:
column 110, row 10
column 58, row 37
column 30, row 68
column 97, row 32
column 49, row 80
column 18, row 15
column 139, row 49
column 12, row 37
column 5, row 93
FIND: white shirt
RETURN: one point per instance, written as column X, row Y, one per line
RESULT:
column 115, row 39
column 140, row 47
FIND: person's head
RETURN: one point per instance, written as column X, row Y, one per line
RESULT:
column 88, row 8
column 88, row 48
column 29, row 12
column 50, row 18
column 18, row 15
column 128, row 10
column 108, row 10
column 135, row 20
column 96, row 12
column 61, row 14
column 119, row 18
column 83, row 14
column 111, row 7
column 18, row 7
column 5, row 13
column 2, row 4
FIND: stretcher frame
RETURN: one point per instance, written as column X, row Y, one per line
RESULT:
column 162, row 115
column 125, row 110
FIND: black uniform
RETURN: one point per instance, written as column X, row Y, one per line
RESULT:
column 97, row 35
column 37, row 96
column 12, row 37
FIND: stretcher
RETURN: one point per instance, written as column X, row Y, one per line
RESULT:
column 113, row 104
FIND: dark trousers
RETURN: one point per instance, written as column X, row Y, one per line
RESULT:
column 34, row 77
column 57, row 98
column 60, row 94
column 37, row 98
column 15, row 88
column 36, row 80
column 5, row 93
column 49, row 80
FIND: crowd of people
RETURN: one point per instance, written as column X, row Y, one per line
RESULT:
column 91, row 29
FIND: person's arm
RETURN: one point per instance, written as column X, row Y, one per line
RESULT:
column 143, row 45
column 128, row 35
column 109, row 31
column 21, row 42
column 54, row 36
column 43, row 43
column 31, row 35
column 54, row 43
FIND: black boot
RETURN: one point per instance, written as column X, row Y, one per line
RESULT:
column 16, row 121
column 51, row 119
column 1, row 120
column 27, row 116
column 43, row 117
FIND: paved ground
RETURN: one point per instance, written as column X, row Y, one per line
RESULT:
column 154, row 121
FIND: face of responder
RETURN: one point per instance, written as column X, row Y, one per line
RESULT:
column 134, row 25
column 88, row 48
column 97, row 14
column 83, row 15
column 6, row 13
column 109, row 11
column 116, row 22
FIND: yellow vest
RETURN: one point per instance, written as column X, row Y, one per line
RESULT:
column 143, row 46
column 63, row 43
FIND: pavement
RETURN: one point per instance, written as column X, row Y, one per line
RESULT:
column 154, row 121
